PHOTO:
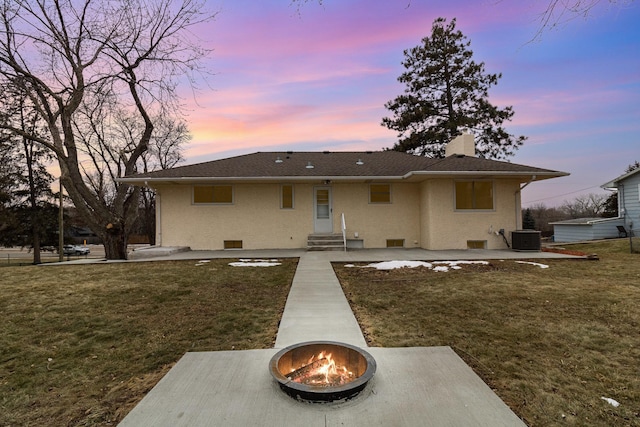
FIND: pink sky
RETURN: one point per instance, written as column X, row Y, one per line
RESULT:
column 318, row 80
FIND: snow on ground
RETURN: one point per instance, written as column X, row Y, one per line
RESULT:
column 442, row 266
column 533, row 263
column 610, row 401
column 255, row 263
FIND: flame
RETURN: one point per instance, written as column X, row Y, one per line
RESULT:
column 322, row 370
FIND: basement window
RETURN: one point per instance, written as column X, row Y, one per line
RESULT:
column 476, row 244
column 474, row 195
column 233, row 244
column 395, row 243
column 213, row 194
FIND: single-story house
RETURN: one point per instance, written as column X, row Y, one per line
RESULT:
column 628, row 188
column 379, row 199
column 582, row 229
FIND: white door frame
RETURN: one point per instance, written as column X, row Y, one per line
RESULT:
column 323, row 211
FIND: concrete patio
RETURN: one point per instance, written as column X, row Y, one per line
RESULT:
column 420, row 386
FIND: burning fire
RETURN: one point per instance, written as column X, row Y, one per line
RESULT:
column 322, row 371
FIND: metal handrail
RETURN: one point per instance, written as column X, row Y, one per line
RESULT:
column 344, row 232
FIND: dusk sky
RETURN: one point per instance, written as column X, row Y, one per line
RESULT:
column 317, row 79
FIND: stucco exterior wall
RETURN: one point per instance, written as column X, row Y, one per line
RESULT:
column 256, row 218
column 443, row 227
column 377, row 222
column 420, row 214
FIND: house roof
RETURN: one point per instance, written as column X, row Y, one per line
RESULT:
column 358, row 166
column 614, row 183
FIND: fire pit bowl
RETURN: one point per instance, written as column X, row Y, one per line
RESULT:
column 294, row 370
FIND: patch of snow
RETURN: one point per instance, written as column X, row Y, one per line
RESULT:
column 533, row 263
column 391, row 265
column 349, row 265
column 610, row 401
column 255, row 263
column 457, row 263
column 203, row 261
column 446, row 265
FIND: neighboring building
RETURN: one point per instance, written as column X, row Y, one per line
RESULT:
column 582, row 229
column 387, row 199
column 628, row 188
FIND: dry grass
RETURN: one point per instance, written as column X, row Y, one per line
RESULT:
column 81, row 345
column 550, row 342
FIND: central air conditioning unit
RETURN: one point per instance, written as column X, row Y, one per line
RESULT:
column 525, row 240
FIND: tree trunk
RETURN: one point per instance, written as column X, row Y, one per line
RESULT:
column 36, row 246
column 115, row 243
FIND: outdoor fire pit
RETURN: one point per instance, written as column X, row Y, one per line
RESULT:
column 322, row 371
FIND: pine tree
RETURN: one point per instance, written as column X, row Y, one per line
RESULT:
column 446, row 93
column 528, row 221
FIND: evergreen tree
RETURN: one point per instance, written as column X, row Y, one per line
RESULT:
column 25, row 183
column 611, row 206
column 528, row 221
column 446, row 93
column 633, row 166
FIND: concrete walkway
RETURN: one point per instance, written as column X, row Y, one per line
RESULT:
column 316, row 308
column 420, row 386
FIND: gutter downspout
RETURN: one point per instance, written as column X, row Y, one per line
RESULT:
column 158, row 219
column 517, row 201
column 158, row 216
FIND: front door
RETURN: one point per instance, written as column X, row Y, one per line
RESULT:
column 322, row 210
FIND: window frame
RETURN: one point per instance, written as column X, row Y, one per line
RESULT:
column 212, row 202
column 474, row 199
column 282, row 197
column 371, row 193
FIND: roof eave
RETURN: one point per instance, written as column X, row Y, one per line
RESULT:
column 409, row 175
column 537, row 175
column 188, row 180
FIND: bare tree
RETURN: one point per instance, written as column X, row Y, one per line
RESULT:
column 544, row 215
column 82, row 63
column 586, row 206
column 556, row 12
column 559, row 12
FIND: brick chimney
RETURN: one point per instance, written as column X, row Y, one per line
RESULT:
column 463, row 144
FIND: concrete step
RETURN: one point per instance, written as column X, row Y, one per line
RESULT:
column 325, row 242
